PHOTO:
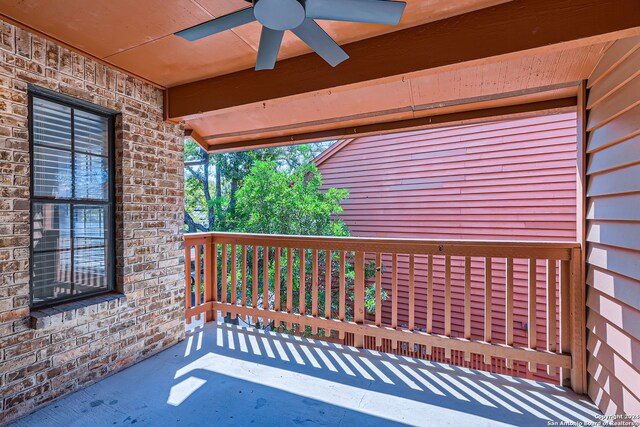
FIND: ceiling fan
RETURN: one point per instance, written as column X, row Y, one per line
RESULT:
column 277, row 16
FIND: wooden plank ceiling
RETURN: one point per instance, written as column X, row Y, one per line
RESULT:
column 137, row 36
column 444, row 58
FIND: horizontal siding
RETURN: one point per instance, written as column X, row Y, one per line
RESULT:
column 613, row 230
column 504, row 180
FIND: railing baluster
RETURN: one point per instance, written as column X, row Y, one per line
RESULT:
column 289, row 284
column 467, row 299
column 198, row 277
column 244, row 275
column 395, row 296
column 276, row 280
column 467, row 304
column 265, row 281
column 447, row 295
column 327, row 291
column 565, row 318
column 488, row 303
column 429, row 295
column 551, row 311
column 187, row 276
column 341, row 292
column 509, row 306
column 378, row 285
column 358, row 297
column 214, row 284
column 314, row 288
column 533, row 331
column 209, row 283
column 254, row 274
column 265, row 278
column 488, row 293
column 224, row 272
column 412, row 293
column 234, row 277
column 303, row 281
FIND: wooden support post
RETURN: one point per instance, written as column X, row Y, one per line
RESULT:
column 358, row 297
column 578, row 325
column 578, row 257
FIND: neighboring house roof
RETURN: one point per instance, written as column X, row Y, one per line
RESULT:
column 326, row 154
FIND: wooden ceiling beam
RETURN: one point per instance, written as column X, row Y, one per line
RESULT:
column 507, row 28
column 449, row 119
column 190, row 133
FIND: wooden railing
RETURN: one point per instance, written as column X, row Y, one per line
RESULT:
column 478, row 294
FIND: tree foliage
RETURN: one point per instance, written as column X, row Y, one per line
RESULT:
column 213, row 182
column 273, row 201
column 270, row 191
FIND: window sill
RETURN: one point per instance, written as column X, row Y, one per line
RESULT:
column 69, row 313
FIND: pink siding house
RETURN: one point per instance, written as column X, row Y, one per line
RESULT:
column 507, row 180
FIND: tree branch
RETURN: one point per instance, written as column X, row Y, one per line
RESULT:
column 193, row 226
column 194, row 173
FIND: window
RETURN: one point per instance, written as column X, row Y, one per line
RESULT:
column 72, row 200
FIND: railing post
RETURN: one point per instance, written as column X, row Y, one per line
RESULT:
column 187, row 280
column 210, row 264
column 358, row 297
column 578, row 324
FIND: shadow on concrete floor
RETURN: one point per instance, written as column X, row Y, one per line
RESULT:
column 224, row 375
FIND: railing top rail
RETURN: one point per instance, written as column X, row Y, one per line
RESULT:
column 488, row 248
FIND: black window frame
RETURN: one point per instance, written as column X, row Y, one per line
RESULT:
column 36, row 92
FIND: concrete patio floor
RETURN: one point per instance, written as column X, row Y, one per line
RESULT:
column 224, row 375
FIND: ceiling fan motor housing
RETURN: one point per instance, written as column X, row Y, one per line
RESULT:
column 279, row 15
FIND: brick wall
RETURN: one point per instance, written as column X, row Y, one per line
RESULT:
column 44, row 358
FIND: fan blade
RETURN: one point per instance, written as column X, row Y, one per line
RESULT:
column 367, row 11
column 315, row 37
column 270, row 41
column 218, row 25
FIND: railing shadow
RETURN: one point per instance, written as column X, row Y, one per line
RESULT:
column 389, row 387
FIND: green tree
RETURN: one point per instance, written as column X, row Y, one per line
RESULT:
column 273, row 201
column 213, row 180
column 271, row 191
